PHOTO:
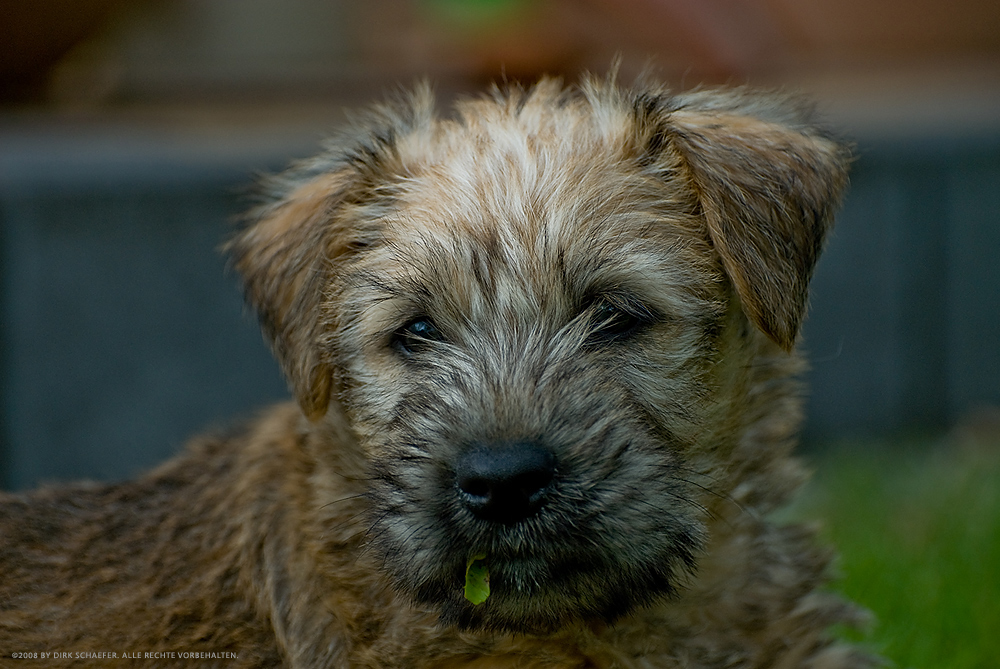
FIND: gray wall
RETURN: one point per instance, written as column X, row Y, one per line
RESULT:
column 121, row 334
column 904, row 333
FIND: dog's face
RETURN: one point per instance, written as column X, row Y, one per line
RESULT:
column 536, row 323
column 535, row 318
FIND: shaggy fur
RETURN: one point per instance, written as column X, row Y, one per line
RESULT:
column 616, row 277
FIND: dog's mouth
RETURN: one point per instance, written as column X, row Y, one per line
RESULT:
column 535, row 595
column 520, row 536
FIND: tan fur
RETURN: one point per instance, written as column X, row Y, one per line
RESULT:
column 610, row 274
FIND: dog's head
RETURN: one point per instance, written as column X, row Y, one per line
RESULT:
column 538, row 318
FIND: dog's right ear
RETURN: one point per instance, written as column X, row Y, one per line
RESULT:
column 289, row 251
column 284, row 257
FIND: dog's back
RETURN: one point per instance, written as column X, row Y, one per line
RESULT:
column 95, row 568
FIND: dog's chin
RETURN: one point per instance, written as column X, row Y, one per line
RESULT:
column 534, row 616
column 584, row 596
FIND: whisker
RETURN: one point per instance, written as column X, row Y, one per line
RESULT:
column 719, row 495
column 347, row 521
column 343, row 499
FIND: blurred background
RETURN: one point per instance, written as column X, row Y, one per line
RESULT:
column 131, row 129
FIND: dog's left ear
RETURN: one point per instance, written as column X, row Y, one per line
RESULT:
column 768, row 191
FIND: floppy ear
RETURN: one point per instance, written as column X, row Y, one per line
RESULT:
column 768, row 191
column 284, row 257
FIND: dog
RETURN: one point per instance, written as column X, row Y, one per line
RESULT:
column 543, row 357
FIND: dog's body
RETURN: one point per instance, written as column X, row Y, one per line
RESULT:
column 551, row 335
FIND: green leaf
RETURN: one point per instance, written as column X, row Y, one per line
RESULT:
column 477, row 579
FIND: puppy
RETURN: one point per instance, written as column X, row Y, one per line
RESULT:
column 543, row 357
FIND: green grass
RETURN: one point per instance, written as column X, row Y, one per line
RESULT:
column 917, row 526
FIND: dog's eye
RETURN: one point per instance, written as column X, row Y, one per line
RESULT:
column 613, row 321
column 415, row 335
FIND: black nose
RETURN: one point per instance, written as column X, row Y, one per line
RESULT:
column 505, row 482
